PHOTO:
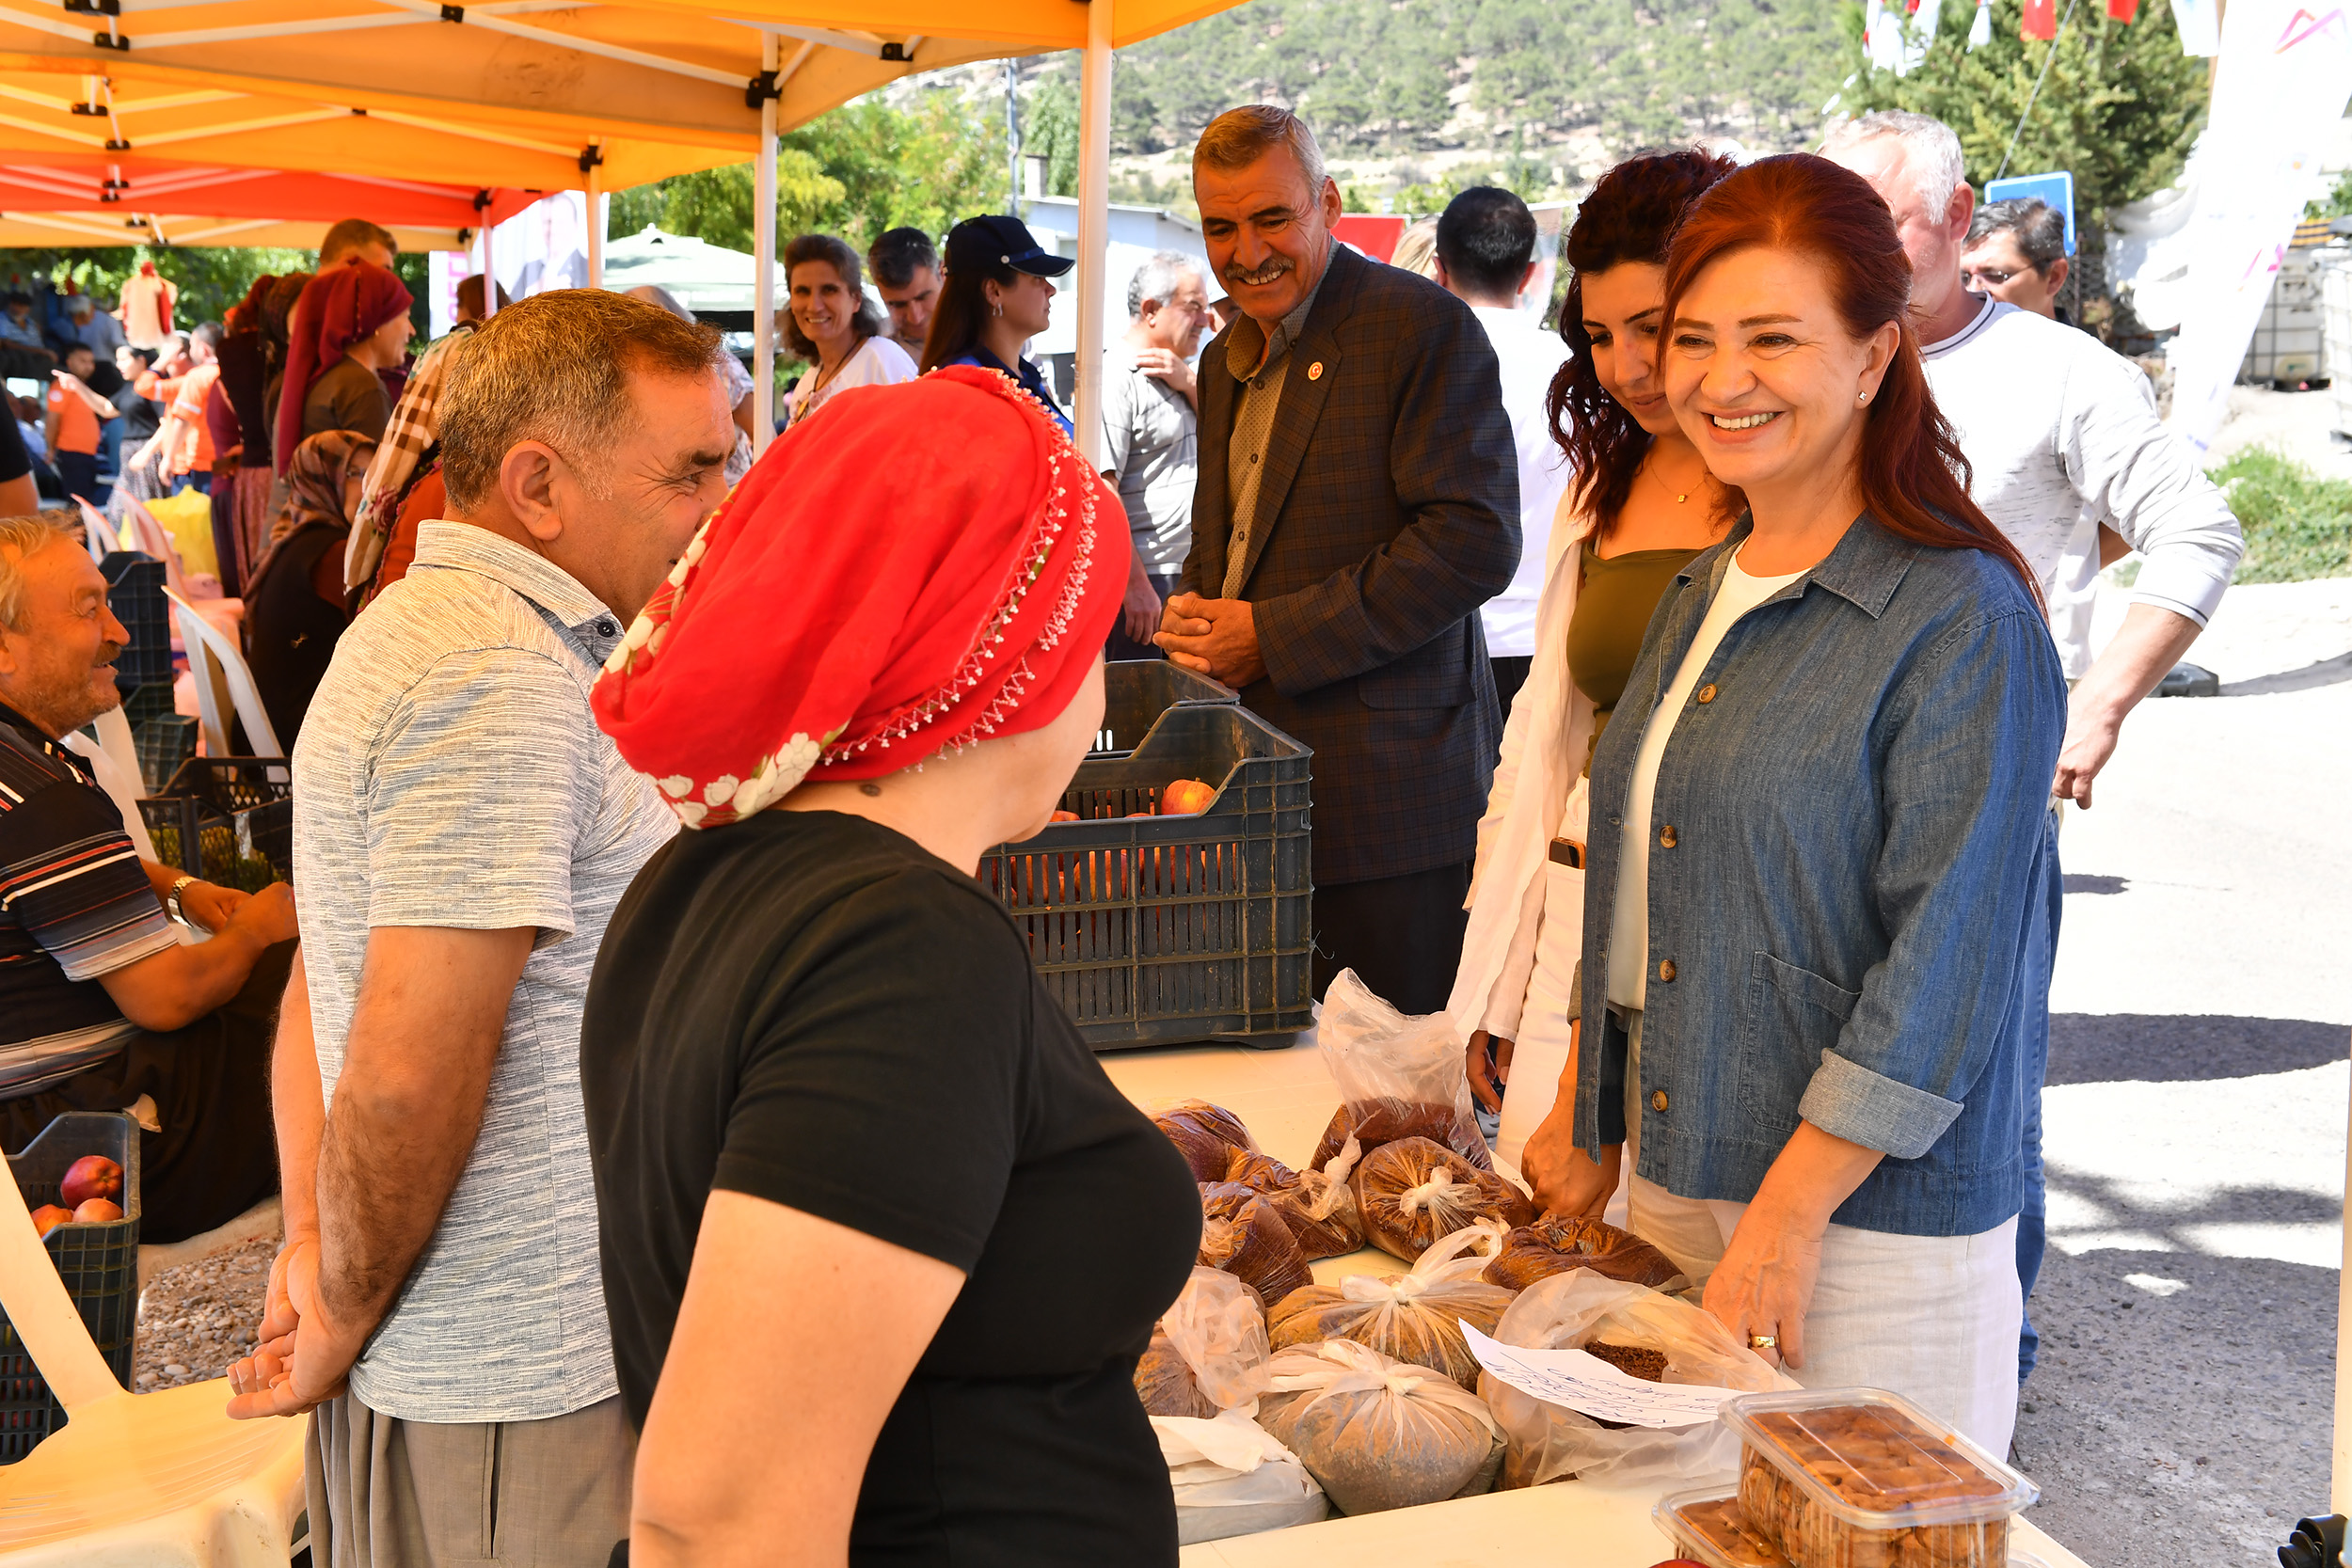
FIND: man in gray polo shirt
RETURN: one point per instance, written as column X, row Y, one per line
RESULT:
column 1150, row 435
column 463, row 831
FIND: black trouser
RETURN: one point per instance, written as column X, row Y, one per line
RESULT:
column 1510, row 674
column 1401, row 935
column 218, row 1153
column 1122, row 646
column 79, row 470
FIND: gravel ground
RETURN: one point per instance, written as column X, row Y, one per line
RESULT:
column 197, row 1319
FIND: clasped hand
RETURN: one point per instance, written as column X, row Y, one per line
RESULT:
column 299, row 1361
column 1216, row 637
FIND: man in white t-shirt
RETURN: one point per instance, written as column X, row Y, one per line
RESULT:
column 1486, row 254
column 1150, row 435
column 2070, row 461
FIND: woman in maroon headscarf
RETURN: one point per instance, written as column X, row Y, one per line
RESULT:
column 352, row 323
column 882, row 1242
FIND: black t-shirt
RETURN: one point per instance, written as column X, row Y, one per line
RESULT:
column 15, row 462
column 807, row 1007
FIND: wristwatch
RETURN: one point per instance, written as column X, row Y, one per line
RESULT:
column 179, row 913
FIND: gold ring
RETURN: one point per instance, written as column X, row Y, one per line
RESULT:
column 1761, row 1341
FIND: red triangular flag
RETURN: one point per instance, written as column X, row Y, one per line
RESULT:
column 2040, row 19
column 2122, row 10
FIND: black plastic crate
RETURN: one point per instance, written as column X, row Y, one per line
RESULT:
column 1153, row 929
column 143, row 705
column 1136, row 691
column 229, row 820
column 135, row 595
column 165, row 744
column 99, row 1263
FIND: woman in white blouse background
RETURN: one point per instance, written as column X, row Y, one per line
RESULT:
column 832, row 326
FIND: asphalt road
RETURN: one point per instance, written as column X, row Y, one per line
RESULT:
column 2198, row 1107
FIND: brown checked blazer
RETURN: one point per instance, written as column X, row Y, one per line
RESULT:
column 1387, row 514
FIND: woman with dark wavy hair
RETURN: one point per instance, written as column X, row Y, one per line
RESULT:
column 832, row 326
column 1641, row 505
column 1828, row 837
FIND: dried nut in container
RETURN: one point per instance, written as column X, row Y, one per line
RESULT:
column 1856, row 1478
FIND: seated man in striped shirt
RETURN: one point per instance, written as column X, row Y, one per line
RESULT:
column 102, row 1008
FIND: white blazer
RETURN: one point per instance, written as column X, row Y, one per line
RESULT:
column 1544, row 742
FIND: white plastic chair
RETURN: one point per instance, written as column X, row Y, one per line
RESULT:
column 222, row 678
column 114, row 756
column 165, row 1480
column 97, row 535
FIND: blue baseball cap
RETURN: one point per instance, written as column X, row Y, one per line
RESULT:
column 998, row 241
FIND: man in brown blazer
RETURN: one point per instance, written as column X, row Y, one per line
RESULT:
column 1358, row 501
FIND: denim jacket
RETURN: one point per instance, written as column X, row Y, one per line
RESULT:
column 1853, row 836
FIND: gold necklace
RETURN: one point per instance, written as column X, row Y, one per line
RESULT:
column 1683, row 496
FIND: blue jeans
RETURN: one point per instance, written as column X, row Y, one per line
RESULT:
column 110, row 445
column 2033, row 1219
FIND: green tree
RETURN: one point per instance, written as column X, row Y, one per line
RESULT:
column 2120, row 108
column 211, row 278
column 1049, row 130
column 861, row 168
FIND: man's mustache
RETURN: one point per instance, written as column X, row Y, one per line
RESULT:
column 1269, row 270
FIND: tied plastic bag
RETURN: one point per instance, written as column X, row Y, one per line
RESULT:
column 1319, row 1210
column 1205, row 1134
column 1411, row 1192
column 1415, row 1317
column 1557, row 1242
column 1231, row 1477
column 1398, row 1077
column 1209, row 1354
column 1242, row 1234
column 1379, row 1434
column 1551, row 1442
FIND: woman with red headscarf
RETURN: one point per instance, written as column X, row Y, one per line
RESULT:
column 882, row 1242
column 352, row 324
column 1827, row 852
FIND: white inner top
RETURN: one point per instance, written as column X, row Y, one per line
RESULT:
column 1629, row 936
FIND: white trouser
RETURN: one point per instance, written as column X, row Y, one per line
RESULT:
column 1541, row 1052
column 1934, row 1318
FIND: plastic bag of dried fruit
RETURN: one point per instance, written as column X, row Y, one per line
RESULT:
column 1206, row 1135
column 1231, row 1477
column 1398, row 1077
column 1416, row 1316
column 1579, row 1309
column 1379, row 1434
column 1209, row 1353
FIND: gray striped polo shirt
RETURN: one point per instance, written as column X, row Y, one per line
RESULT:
column 450, row 774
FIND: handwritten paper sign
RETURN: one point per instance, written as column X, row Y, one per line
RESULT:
column 1587, row 1383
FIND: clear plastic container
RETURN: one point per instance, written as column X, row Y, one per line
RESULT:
column 1707, row 1526
column 1859, row 1478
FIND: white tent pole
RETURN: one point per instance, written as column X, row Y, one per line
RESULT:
column 1094, row 222
column 764, row 264
column 595, row 219
column 2340, row 1488
column 489, row 273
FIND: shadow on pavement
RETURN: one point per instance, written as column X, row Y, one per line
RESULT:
column 2144, row 1048
column 2327, row 671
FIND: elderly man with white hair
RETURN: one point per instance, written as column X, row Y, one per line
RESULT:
column 1150, row 435
column 2068, row 458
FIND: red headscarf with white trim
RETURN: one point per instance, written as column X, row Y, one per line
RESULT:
column 914, row 569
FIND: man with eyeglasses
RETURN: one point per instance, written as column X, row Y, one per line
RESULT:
column 2016, row 253
column 1356, row 500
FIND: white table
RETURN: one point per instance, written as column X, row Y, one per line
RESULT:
column 1286, row 1098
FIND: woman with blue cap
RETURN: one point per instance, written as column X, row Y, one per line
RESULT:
column 997, row 295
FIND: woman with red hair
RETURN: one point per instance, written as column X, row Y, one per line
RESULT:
column 881, row 1241
column 1827, row 832
column 351, row 325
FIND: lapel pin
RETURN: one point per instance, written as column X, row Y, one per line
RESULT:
column 1315, row 371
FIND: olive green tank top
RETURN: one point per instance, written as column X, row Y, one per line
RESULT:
column 1613, row 611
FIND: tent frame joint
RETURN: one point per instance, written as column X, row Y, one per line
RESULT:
column 766, row 87
column 94, row 8
column 115, row 41
column 454, row 13
column 591, row 156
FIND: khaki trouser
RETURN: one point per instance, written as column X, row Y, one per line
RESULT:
column 386, row 1493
